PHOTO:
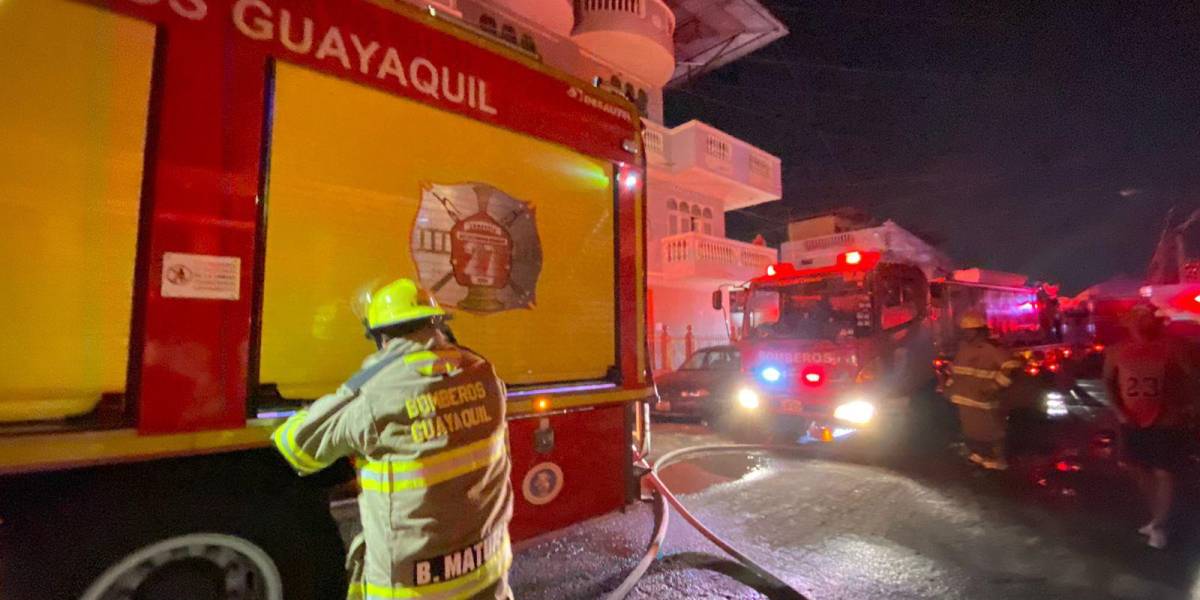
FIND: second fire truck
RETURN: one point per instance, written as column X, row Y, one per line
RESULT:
column 844, row 334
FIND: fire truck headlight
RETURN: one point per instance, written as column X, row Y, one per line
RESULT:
column 747, row 398
column 771, row 374
column 857, row 412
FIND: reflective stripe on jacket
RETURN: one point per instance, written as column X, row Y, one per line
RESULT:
column 428, row 425
column 979, row 373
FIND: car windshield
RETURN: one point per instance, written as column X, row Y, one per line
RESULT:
column 723, row 360
column 694, row 362
column 712, row 360
column 827, row 308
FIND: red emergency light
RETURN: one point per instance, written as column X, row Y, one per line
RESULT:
column 1186, row 301
column 853, row 260
column 782, row 269
column 858, row 259
column 812, row 375
column 1066, row 466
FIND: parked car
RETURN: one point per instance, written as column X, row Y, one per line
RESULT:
column 702, row 387
column 1069, row 428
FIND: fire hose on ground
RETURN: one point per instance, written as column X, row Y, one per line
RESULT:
column 663, row 496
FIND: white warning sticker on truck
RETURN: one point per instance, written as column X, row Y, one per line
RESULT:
column 201, row 276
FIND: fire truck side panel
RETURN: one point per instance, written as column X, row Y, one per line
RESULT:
column 201, row 199
column 593, row 472
column 191, row 355
column 204, row 192
column 1012, row 313
column 71, row 160
column 362, row 164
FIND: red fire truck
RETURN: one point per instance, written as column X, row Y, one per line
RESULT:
column 850, row 341
column 193, row 192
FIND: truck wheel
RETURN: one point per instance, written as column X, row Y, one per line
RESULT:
column 258, row 549
column 200, row 565
column 235, row 530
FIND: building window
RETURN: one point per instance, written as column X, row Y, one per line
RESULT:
column 674, row 224
column 508, row 34
column 488, row 24
column 697, row 214
column 643, row 102
column 527, row 43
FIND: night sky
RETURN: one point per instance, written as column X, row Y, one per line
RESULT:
column 1047, row 139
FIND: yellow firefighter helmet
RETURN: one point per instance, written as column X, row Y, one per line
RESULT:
column 973, row 319
column 398, row 302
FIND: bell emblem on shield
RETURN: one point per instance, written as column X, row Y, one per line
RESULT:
column 481, row 255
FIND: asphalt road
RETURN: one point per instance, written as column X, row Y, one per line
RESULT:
column 837, row 524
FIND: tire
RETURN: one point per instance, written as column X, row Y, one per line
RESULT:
column 145, row 533
column 237, row 565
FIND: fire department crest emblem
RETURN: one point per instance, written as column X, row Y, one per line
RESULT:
column 476, row 248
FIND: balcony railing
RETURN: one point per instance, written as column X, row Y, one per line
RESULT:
column 709, row 161
column 661, row 16
column 636, row 36
column 708, row 257
column 655, row 138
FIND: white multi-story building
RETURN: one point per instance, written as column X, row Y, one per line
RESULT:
column 696, row 172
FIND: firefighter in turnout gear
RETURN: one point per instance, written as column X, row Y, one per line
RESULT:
column 979, row 373
column 425, row 420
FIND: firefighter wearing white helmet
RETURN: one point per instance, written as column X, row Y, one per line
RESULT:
column 426, row 420
column 979, row 373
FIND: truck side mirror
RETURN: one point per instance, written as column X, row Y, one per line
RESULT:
column 717, row 301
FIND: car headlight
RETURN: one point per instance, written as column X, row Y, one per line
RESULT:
column 1055, row 404
column 693, row 393
column 858, row 412
column 748, row 398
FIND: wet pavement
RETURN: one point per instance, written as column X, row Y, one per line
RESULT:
column 845, row 527
column 836, row 523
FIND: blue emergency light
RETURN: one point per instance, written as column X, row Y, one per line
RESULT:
column 771, row 374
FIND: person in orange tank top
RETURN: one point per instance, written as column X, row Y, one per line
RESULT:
column 1147, row 377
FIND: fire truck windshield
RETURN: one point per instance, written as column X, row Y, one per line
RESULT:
column 822, row 308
